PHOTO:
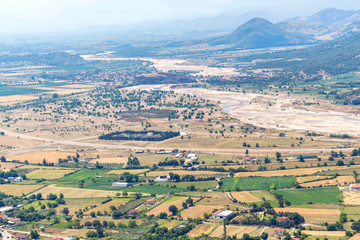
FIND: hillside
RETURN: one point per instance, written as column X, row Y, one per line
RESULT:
column 258, row 33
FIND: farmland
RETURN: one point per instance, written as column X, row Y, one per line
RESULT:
column 315, row 195
column 257, row 183
column 18, row 190
column 48, row 174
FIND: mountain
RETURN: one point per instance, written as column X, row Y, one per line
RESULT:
column 258, row 33
column 327, row 24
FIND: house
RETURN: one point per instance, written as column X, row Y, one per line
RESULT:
column 179, row 155
column 2, row 216
column 283, row 219
column 150, row 202
column 18, row 179
column 14, row 221
column 120, row 184
column 191, row 156
column 280, row 232
column 19, row 236
column 133, row 212
column 220, row 214
column 355, row 187
column 162, row 179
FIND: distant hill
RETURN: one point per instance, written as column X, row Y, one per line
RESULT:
column 258, row 33
column 327, row 24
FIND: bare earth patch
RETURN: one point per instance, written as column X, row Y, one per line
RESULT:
column 351, row 197
column 233, row 230
column 245, row 196
column 325, row 233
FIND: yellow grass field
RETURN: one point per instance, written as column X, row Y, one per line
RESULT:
column 204, row 228
column 112, row 160
column 37, row 157
column 245, row 196
column 180, row 172
column 355, row 237
column 75, row 192
column 314, row 216
column 351, row 197
column 310, row 178
column 48, row 174
column 232, row 230
column 198, row 211
column 16, row 98
column 164, row 206
column 331, row 182
column 132, row 171
column 291, row 172
column 325, row 233
column 18, row 190
column 6, row 166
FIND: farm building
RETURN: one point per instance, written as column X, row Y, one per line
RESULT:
column 14, row 221
column 19, row 236
column 133, row 212
column 280, row 232
column 355, row 187
column 221, row 214
column 2, row 216
column 283, row 219
column 162, row 179
column 307, row 156
column 150, row 202
column 6, row 208
column 179, row 155
column 120, row 184
column 192, row 156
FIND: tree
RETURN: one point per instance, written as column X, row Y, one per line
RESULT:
column 91, row 234
column 3, row 159
column 301, row 158
column 39, row 196
column 65, row 211
column 264, row 236
column 173, row 209
column 34, row 234
column 163, row 215
column 132, row 224
column 356, row 226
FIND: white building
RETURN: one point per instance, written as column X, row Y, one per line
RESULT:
column 120, row 184
column 220, row 214
column 192, row 155
column 162, row 179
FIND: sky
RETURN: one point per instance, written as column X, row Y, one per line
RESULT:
column 31, row 16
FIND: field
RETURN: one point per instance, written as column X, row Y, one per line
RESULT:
column 48, row 174
column 246, row 197
column 341, row 180
column 325, row 233
column 351, row 197
column 204, row 228
column 199, row 210
column 233, row 230
column 75, row 192
column 311, row 195
column 293, row 172
column 132, row 171
column 39, row 156
column 198, row 185
column 18, row 189
column 74, row 204
column 310, row 178
column 264, row 195
column 106, row 207
column 154, row 189
column 182, row 172
column 257, row 183
column 314, row 216
column 164, row 206
column 83, row 174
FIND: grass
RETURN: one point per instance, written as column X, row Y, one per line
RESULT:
column 83, row 174
column 311, row 195
column 257, row 183
column 8, row 91
column 48, row 174
column 154, row 189
column 198, row 185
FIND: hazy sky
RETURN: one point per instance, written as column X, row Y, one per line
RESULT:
column 53, row 15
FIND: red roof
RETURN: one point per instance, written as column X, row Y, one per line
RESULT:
column 280, row 230
column 355, row 185
column 14, row 219
column 3, row 216
column 217, row 212
column 283, row 218
column 133, row 211
column 56, row 238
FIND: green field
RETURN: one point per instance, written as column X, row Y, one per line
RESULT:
column 84, row 174
column 154, row 189
column 311, row 195
column 257, row 183
column 8, row 91
column 198, row 185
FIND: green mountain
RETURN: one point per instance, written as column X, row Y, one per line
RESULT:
column 258, row 33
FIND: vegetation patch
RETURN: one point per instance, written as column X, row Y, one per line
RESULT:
column 311, row 195
column 257, row 183
column 140, row 135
